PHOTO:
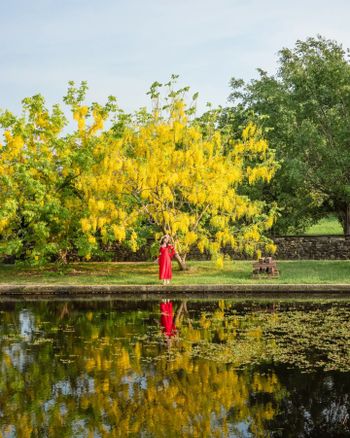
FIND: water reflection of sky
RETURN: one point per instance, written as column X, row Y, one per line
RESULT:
column 27, row 324
column 134, row 379
column 18, row 351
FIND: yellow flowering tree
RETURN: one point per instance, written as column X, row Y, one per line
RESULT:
column 107, row 215
column 186, row 179
column 141, row 175
column 41, row 169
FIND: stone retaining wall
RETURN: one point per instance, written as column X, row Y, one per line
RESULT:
column 289, row 248
column 299, row 248
column 313, row 247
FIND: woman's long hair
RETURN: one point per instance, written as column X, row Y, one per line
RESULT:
column 163, row 239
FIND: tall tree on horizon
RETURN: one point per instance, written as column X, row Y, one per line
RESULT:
column 307, row 104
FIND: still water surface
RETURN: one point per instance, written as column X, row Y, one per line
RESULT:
column 181, row 368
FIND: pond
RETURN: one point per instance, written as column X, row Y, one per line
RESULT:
column 175, row 368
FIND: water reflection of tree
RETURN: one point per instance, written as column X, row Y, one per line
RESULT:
column 105, row 372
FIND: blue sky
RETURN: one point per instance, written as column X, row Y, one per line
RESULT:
column 121, row 46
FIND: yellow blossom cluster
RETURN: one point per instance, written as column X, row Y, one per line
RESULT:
column 80, row 116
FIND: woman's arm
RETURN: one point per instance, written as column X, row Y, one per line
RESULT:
column 172, row 251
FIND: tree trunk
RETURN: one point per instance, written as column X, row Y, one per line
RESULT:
column 63, row 256
column 181, row 262
column 347, row 220
column 343, row 214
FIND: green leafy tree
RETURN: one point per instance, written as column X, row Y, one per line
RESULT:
column 308, row 107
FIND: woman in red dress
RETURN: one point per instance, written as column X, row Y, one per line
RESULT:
column 166, row 253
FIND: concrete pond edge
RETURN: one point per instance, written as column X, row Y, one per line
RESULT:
column 26, row 291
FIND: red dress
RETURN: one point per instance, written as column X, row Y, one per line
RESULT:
column 166, row 253
column 167, row 319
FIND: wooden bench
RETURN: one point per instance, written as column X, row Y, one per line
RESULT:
column 265, row 267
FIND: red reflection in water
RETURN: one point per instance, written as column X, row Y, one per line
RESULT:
column 167, row 318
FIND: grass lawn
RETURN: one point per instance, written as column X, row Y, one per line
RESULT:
column 327, row 225
column 234, row 272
